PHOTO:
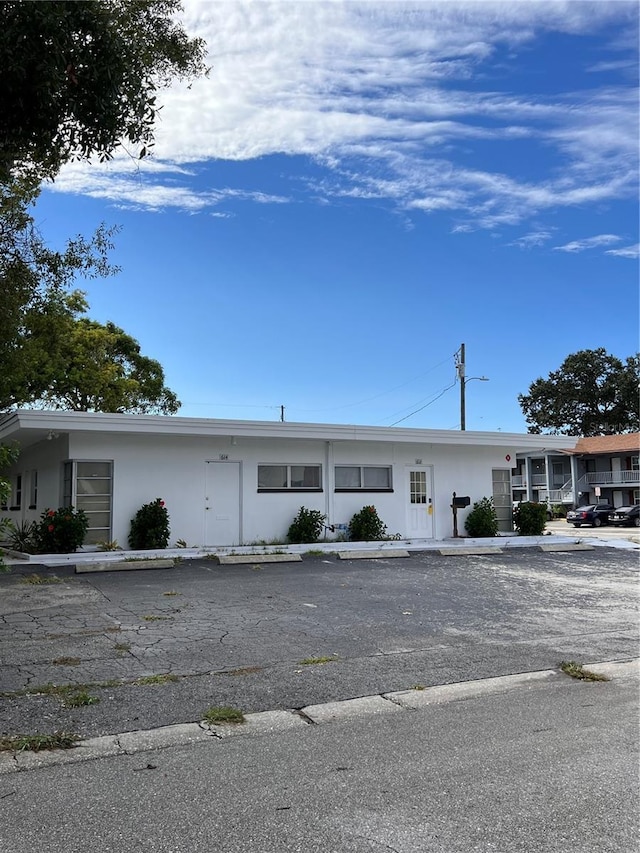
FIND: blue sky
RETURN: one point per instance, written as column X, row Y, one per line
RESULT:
column 357, row 189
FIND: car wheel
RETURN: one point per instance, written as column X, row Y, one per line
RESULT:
column 596, row 522
column 576, row 525
column 637, row 522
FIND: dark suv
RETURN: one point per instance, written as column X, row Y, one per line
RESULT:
column 593, row 514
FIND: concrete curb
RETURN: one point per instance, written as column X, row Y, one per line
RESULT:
column 372, row 555
column 241, row 559
column 134, row 564
column 276, row 722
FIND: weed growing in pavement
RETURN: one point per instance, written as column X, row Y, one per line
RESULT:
column 155, row 679
column 576, row 670
column 37, row 579
column 320, row 660
column 122, row 647
column 152, row 618
column 66, row 661
column 38, row 742
column 78, row 698
column 172, row 592
column 223, row 714
column 243, row 670
column 418, row 687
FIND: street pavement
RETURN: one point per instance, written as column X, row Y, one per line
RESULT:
column 247, row 635
column 549, row 766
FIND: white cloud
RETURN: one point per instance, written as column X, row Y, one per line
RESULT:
column 626, row 252
column 378, row 94
column 532, row 240
column 589, row 243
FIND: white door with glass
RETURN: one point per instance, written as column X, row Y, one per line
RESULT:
column 419, row 503
column 222, row 504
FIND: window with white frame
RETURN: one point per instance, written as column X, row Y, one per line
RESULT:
column 635, row 463
column 299, row 478
column 365, row 478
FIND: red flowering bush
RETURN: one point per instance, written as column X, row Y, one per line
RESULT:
column 366, row 525
column 61, row 531
column 150, row 527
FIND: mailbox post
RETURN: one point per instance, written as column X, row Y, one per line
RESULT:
column 458, row 503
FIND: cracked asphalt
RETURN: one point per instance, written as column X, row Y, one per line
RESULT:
column 236, row 635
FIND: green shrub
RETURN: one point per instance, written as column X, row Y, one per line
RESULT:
column 559, row 511
column 366, row 525
column 150, row 527
column 306, row 526
column 61, row 531
column 482, row 520
column 530, row 518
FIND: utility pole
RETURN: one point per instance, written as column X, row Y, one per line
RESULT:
column 282, row 413
column 463, row 383
column 462, row 376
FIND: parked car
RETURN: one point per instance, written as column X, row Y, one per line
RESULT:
column 593, row 514
column 625, row 516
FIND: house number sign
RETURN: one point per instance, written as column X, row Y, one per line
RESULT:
column 223, row 457
column 418, row 461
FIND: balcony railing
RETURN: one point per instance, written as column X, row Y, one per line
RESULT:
column 518, row 481
column 538, row 479
column 561, row 496
column 610, row 478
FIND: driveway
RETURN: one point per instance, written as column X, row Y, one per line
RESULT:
column 274, row 636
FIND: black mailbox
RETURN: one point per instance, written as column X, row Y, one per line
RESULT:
column 461, row 503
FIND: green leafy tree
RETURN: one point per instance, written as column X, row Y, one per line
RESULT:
column 101, row 369
column 592, row 393
column 80, row 78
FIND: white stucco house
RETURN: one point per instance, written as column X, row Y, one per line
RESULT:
column 242, row 482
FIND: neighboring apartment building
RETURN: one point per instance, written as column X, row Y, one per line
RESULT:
column 603, row 468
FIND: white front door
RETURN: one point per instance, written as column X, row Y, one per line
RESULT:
column 419, row 503
column 222, row 504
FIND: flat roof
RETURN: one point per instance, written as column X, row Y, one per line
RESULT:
column 29, row 426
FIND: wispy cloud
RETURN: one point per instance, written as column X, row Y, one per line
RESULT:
column 589, row 243
column 626, row 252
column 378, row 94
column 532, row 241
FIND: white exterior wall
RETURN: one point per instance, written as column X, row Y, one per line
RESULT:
column 155, row 457
column 173, row 468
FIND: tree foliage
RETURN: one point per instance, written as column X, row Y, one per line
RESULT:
column 64, row 360
column 592, row 393
column 99, row 368
column 81, row 77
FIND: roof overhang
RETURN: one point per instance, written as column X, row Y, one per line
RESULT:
column 29, row 426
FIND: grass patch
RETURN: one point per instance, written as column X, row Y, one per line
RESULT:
column 155, row 679
column 37, row 742
column 78, row 698
column 66, row 661
column 223, row 714
column 314, row 552
column 36, row 580
column 418, row 687
column 122, row 647
column 315, row 661
column 576, row 670
column 151, row 618
column 172, row 592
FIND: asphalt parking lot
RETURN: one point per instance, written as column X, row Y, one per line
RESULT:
column 158, row 647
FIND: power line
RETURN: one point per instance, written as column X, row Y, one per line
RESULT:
column 406, row 417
